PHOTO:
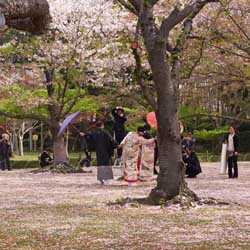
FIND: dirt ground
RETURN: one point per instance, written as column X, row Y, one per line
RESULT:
column 56, row 211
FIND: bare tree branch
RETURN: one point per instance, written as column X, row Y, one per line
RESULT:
column 72, row 103
column 216, row 116
column 153, row 2
column 138, row 73
column 177, row 16
column 129, row 6
column 26, row 116
column 235, row 22
column 196, row 62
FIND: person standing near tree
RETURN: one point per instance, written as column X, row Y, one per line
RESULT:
column 147, row 159
column 5, row 152
column 147, row 135
column 119, row 126
column 104, row 145
column 232, row 152
column 130, row 152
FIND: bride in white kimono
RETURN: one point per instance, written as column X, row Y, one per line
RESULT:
column 130, row 152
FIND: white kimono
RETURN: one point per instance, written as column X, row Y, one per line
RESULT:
column 130, row 153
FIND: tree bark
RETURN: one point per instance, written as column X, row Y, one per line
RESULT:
column 170, row 158
column 20, row 140
column 15, row 142
column 27, row 15
column 170, row 179
column 30, row 141
column 59, row 147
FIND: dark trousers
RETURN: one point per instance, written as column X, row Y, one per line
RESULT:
column 156, row 153
column 5, row 162
column 232, row 165
column 119, row 135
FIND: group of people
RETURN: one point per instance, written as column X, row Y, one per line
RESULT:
column 136, row 149
column 5, row 152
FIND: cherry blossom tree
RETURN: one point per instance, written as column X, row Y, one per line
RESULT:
column 163, row 57
column 57, row 67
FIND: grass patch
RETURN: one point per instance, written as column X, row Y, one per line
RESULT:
column 216, row 245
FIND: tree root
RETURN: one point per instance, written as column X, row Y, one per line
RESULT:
column 62, row 168
column 186, row 199
column 178, row 202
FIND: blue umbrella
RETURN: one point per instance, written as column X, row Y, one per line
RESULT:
column 67, row 121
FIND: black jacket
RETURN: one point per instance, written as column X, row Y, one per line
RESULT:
column 104, row 146
column 5, row 149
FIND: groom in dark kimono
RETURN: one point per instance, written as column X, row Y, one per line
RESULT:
column 104, row 146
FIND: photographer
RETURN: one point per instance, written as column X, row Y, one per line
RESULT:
column 119, row 126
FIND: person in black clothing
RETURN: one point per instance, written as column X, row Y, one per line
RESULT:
column 232, row 152
column 189, row 141
column 45, row 158
column 193, row 167
column 86, row 148
column 119, row 126
column 5, row 152
column 104, row 145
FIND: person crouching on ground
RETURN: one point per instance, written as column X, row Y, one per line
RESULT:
column 193, row 167
column 130, row 152
column 45, row 158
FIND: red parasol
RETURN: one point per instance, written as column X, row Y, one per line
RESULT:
column 151, row 120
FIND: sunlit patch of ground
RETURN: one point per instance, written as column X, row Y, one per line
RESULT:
column 56, row 211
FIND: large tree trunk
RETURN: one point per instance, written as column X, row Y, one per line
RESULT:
column 20, row 140
column 59, row 147
column 27, row 15
column 30, row 141
column 170, row 158
column 170, row 178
